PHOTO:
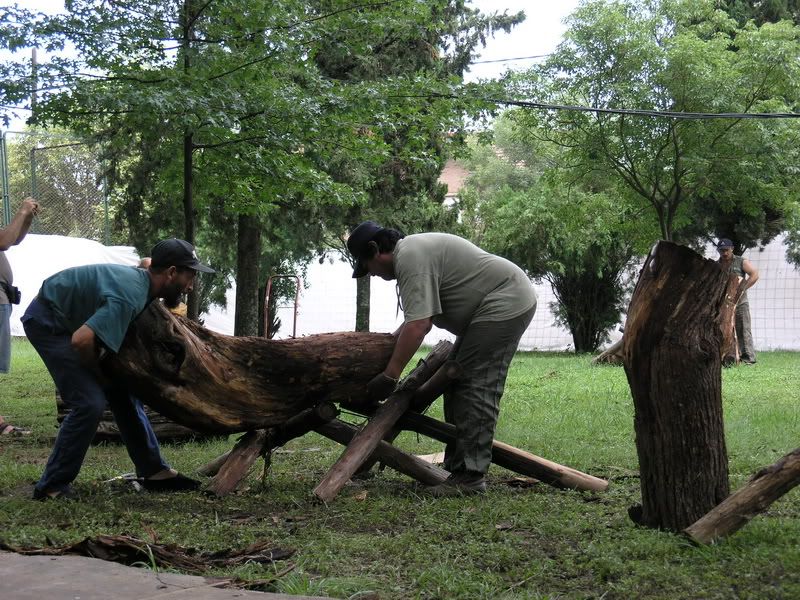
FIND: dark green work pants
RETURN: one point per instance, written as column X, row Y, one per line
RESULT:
column 473, row 402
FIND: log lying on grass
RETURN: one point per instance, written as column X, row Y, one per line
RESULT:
column 510, row 458
column 224, row 384
column 755, row 497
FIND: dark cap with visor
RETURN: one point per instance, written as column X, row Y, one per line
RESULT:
column 177, row 253
column 358, row 242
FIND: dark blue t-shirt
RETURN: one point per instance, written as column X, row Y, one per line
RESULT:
column 106, row 298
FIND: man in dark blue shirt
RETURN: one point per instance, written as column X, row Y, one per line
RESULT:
column 80, row 314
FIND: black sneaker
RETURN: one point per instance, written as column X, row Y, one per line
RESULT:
column 460, row 483
column 43, row 496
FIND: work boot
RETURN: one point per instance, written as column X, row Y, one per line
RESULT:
column 459, row 483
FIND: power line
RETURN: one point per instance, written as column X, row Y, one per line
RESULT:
column 623, row 111
column 500, row 60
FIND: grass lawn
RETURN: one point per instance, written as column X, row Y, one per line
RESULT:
column 381, row 538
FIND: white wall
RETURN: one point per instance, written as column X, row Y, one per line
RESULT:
column 328, row 302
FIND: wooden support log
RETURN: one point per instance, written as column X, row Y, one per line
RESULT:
column 211, row 468
column 510, row 457
column 425, row 395
column 672, row 361
column 611, row 355
column 241, row 458
column 437, row 385
column 238, row 461
column 400, row 461
column 754, row 497
column 387, row 414
column 223, row 384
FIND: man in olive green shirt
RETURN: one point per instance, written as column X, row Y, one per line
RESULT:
column 485, row 300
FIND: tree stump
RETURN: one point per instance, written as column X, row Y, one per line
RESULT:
column 222, row 384
column 672, row 351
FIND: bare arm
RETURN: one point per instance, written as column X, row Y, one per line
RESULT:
column 751, row 272
column 408, row 342
column 18, row 228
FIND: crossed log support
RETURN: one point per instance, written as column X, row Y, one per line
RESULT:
column 402, row 410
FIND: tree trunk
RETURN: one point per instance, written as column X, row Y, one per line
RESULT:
column 756, row 496
column 224, row 384
column 362, row 303
column 248, row 249
column 672, row 360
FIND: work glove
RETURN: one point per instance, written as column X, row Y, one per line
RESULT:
column 380, row 387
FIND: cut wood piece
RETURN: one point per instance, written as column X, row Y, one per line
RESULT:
column 425, row 395
column 297, row 426
column 672, row 350
column 387, row 414
column 400, row 461
column 437, row 458
column 242, row 457
column 212, row 468
column 437, row 385
column 611, row 355
column 754, row 497
column 509, row 457
column 729, row 350
column 223, row 384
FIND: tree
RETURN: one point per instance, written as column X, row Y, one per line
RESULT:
column 217, row 103
column 676, row 56
column 402, row 191
column 582, row 241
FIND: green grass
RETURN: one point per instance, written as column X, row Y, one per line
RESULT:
column 535, row 542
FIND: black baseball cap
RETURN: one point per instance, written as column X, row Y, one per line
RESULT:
column 177, row 253
column 724, row 243
column 357, row 244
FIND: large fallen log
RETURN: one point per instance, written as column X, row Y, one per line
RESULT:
column 222, row 384
column 754, row 497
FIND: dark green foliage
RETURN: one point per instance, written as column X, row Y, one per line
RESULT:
column 699, row 177
column 580, row 238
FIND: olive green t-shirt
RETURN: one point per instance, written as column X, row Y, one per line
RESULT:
column 106, row 298
column 455, row 283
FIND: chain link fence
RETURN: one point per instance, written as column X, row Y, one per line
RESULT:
column 64, row 175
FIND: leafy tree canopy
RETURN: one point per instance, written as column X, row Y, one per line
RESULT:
column 681, row 56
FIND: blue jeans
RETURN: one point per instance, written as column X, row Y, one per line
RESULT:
column 5, row 337
column 87, row 398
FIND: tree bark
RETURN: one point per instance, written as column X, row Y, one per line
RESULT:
column 672, row 349
column 248, row 249
column 362, row 303
column 222, row 384
column 755, row 497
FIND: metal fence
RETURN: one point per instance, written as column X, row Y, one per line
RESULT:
column 64, row 175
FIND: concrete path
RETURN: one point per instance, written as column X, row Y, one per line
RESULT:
column 81, row 578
